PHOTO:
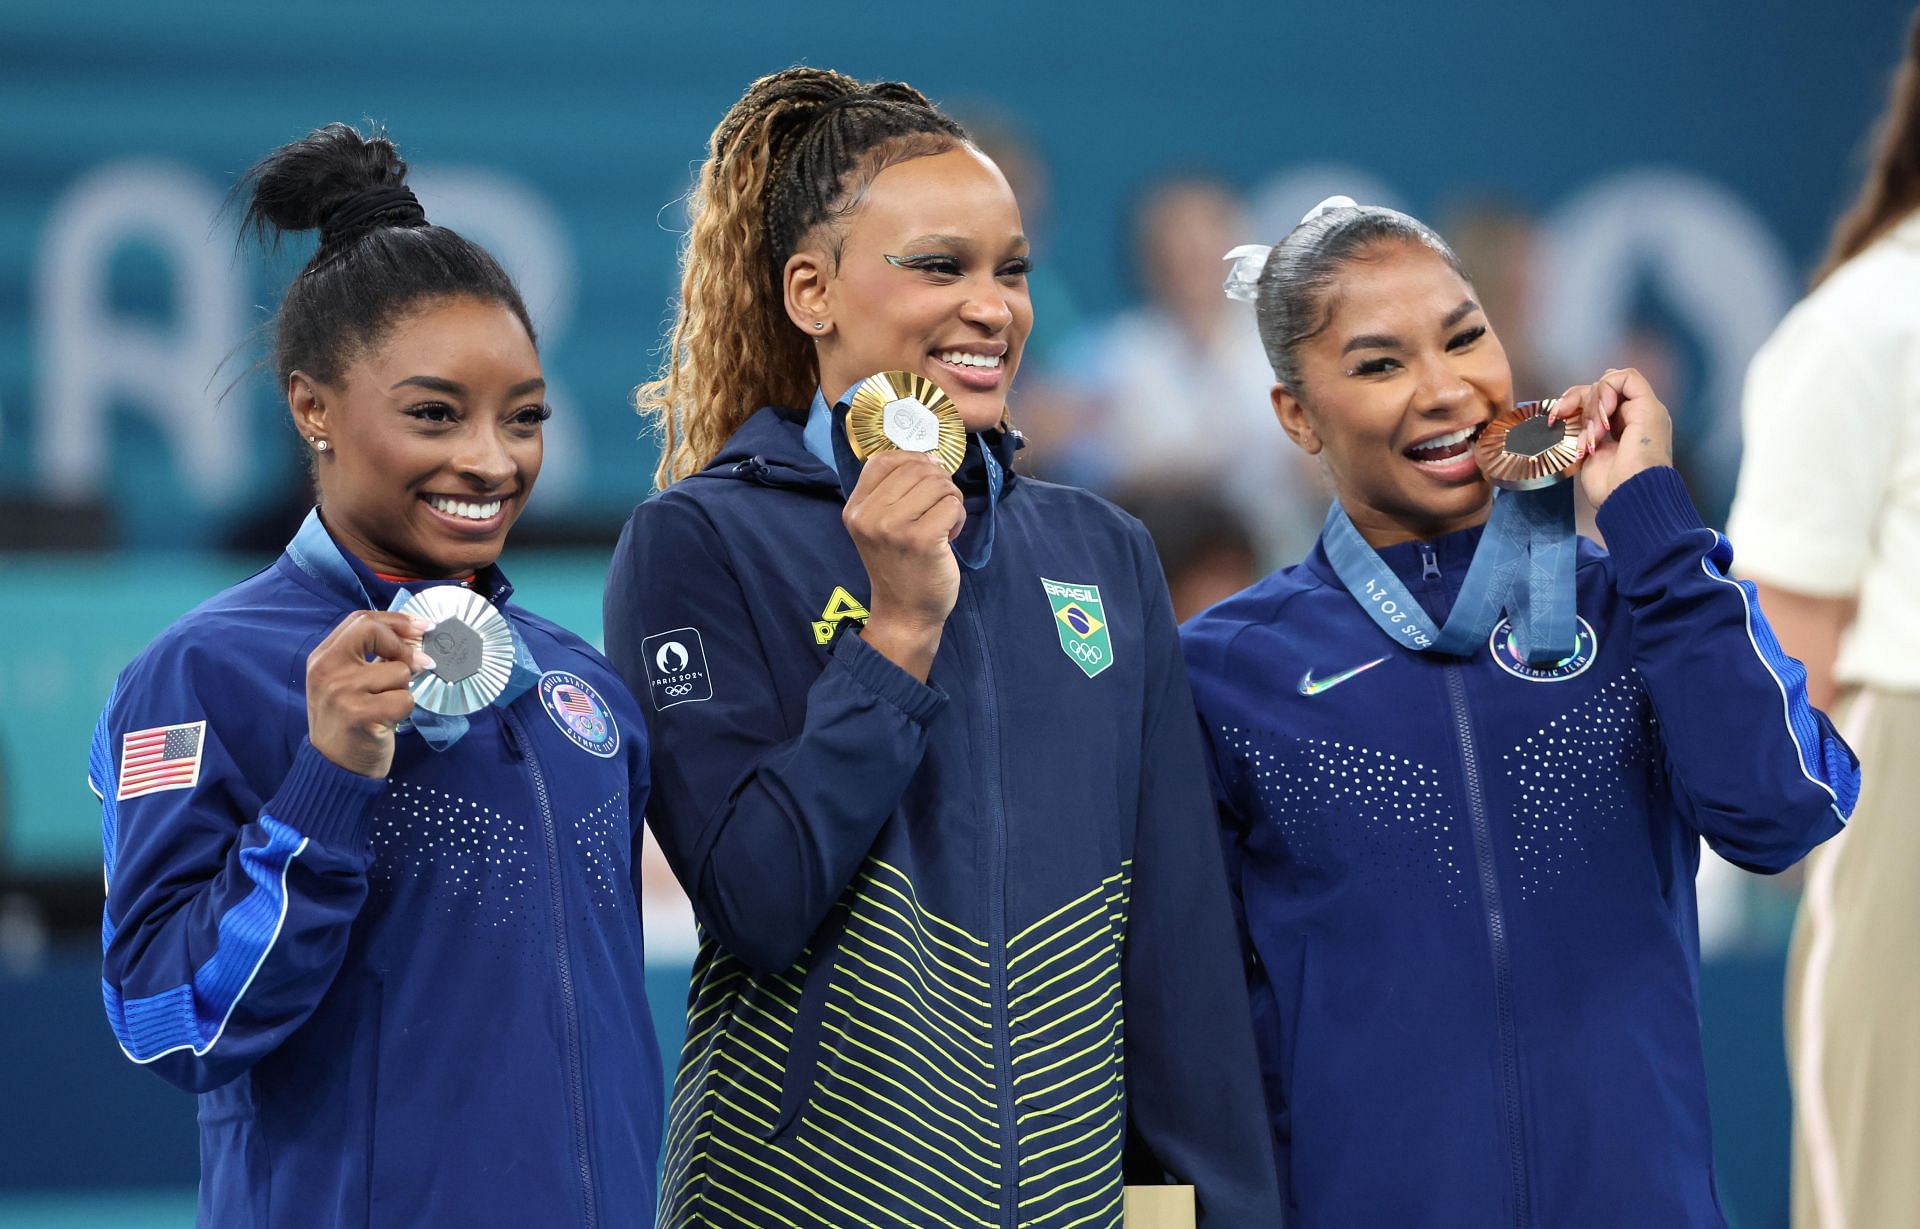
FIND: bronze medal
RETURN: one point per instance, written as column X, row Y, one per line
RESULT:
column 1521, row 450
column 898, row 410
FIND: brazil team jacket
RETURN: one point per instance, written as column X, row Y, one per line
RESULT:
column 1467, row 884
column 934, row 917
column 404, row 1002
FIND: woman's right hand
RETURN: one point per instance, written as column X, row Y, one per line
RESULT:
column 903, row 515
column 357, row 687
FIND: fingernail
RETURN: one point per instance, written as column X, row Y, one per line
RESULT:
column 422, row 662
column 420, row 625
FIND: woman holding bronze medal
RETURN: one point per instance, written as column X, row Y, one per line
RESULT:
column 924, row 750
column 1465, row 763
column 369, row 827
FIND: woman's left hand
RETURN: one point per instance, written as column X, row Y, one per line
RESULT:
column 1624, row 429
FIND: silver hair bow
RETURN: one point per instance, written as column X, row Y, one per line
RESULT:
column 1243, row 280
column 1328, row 205
column 1250, row 259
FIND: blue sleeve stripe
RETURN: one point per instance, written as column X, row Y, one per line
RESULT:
column 1821, row 763
column 101, row 776
column 194, row 1015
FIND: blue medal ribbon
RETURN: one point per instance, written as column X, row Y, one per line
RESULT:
column 1523, row 565
column 314, row 552
column 974, row 546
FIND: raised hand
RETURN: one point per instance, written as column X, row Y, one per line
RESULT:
column 1624, row 427
column 903, row 515
column 357, row 687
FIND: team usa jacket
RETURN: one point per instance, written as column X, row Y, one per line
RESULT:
column 963, row 944
column 417, row 1001
column 1467, row 884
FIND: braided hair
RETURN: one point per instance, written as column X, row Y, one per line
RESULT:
column 378, row 256
column 795, row 154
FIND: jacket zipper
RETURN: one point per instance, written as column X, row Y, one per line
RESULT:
column 1496, row 920
column 997, row 920
column 522, row 749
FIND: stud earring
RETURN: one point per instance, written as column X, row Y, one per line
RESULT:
column 819, row 324
column 319, row 445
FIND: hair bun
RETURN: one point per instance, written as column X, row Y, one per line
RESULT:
column 334, row 179
column 369, row 210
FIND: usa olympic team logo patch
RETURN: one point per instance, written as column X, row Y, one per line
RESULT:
column 580, row 712
column 1506, row 651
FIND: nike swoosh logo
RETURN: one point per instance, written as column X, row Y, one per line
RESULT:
column 1311, row 686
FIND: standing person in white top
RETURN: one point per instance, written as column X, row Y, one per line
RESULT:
column 1827, row 515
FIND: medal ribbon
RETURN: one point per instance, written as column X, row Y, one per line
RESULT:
column 314, row 552
column 1523, row 565
column 974, row 546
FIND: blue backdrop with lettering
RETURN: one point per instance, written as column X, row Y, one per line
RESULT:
column 1685, row 161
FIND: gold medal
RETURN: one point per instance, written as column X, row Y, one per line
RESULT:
column 898, row 410
column 1521, row 450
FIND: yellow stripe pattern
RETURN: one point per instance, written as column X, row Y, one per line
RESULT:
column 896, row 1112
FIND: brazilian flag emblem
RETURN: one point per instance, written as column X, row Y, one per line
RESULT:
column 1082, row 623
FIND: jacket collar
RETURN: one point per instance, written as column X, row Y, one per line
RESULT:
column 314, row 557
column 1453, row 552
column 770, row 449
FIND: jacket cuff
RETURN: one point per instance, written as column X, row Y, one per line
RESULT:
column 325, row 802
column 873, row 670
column 1645, row 514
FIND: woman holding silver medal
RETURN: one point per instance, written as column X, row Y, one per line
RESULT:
column 924, row 751
column 370, row 828
column 1465, row 762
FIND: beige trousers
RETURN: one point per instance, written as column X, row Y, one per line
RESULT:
column 1853, row 990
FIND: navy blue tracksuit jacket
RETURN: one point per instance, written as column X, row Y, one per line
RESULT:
column 417, row 1001
column 1467, row 884
column 964, row 945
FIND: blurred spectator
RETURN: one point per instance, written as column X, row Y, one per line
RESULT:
column 1827, row 520
column 1042, row 406
column 1499, row 245
column 1177, row 390
column 1204, row 545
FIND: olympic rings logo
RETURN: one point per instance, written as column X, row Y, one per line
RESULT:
column 1092, row 654
column 678, row 689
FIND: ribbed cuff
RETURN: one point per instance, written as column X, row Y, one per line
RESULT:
column 1646, row 513
column 325, row 802
column 878, row 673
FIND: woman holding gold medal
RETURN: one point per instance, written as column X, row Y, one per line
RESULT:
column 369, row 827
column 1465, row 762
column 924, row 751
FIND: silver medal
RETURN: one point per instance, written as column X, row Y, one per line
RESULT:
column 471, row 646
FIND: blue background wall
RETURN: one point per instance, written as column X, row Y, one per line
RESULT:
column 563, row 134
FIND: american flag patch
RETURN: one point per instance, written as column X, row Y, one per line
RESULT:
column 573, row 701
column 162, row 758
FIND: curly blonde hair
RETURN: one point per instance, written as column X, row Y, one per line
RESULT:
column 795, row 152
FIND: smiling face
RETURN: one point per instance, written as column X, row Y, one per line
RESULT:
column 433, row 439
column 930, row 277
column 1394, row 390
